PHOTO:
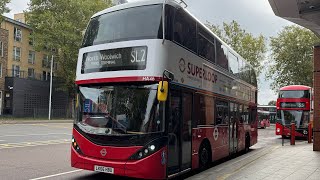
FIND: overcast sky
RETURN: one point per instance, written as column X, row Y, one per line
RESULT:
column 255, row 16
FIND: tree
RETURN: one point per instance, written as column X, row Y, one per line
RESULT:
column 4, row 8
column 58, row 25
column 272, row 103
column 251, row 48
column 292, row 62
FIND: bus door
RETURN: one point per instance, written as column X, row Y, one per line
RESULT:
column 179, row 132
column 233, row 139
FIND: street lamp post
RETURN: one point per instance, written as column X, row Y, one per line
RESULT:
column 51, row 67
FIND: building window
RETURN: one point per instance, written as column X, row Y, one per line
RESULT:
column 15, row 71
column 30, row 72
column 55, row 65
column 44, row 76
column 31, row 39
column 1, row 48
column 16, row 53
column 45, row 61
column 17, row 34
column 0, row 70
column 32, row 57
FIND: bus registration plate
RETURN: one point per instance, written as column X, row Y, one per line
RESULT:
column 103, row 169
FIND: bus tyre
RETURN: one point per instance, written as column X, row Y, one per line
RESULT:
column 204, row 156
column 247, row 144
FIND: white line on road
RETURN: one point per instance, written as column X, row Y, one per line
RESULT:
column 54, row 175
column 13, row 135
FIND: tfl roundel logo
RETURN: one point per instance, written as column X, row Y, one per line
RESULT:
column 182, row 65
column 103, row 152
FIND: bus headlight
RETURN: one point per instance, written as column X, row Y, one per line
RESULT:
column 75, row 145
column 150, row 148
column 278, row 129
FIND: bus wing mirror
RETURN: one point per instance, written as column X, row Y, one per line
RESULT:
column 169, row 75
column 163, row 91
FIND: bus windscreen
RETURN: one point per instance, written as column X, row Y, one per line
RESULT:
column 294, row 94
column 142, row 22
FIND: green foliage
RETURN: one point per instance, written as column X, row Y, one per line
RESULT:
column 251, row 48
column 3, row 8
column 292, row 61
column 272, row 103
column 59, row 25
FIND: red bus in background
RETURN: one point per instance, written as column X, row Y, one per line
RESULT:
column 159, row 96
column 263, row 118
column 294, row 104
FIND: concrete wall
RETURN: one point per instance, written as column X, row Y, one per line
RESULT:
column 30, row 98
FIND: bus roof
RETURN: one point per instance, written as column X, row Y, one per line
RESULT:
column 173, row 3
column 295, row 87
column 134, row 4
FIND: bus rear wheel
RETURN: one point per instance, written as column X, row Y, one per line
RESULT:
column 247, row 143
column 204, row 156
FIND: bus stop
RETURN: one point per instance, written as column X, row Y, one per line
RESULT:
column 305, row 13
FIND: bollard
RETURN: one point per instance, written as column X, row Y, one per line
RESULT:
column 293, row 134
column 309, row 133
column 282, row 135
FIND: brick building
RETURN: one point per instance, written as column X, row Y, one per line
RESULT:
column 24, row 84
column 3, row 63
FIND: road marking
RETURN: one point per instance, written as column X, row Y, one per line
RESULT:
column 54, row 175
column 17, row 135
column 35, row 143
column 54, row 126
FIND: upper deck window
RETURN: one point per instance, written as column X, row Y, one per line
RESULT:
column 222, row 59
column 206, row 45
column 294, row 94
column 128, row 24
column 185, row 31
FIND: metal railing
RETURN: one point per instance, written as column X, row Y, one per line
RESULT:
column 26, row 75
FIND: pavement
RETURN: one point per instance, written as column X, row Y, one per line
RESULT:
column 273, row 162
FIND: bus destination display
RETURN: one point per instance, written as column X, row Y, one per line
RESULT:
column 132, row 58
column 292, row 105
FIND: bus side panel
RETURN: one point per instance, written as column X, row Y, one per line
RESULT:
column 218, row 138
column 254, row 133
column 196, row 140
column 220, row 142
column 241, row 137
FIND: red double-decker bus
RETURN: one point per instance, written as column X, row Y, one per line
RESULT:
column 294, row 105
column 159, row 94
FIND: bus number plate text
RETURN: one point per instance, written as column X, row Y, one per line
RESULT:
column 103, row 169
